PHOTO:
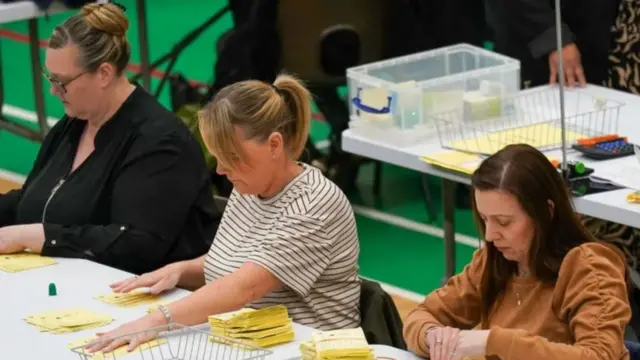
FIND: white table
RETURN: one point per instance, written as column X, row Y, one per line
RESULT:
column 77, row 282
column 388, row 352
column 28, row 10
column 609, row 205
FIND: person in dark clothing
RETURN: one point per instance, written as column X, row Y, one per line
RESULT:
column 525, row 30
column 119, row 179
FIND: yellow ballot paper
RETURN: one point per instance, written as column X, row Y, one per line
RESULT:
column 454, row 160
column 262, row 327
column 537, row 135
column 24, row 261
column 130, row 299
column 78, row 347
column 344, row 344
column 68, row 320
column 459, row 161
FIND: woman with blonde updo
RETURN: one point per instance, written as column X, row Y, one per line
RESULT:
column 119, row 179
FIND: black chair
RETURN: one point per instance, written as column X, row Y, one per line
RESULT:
column 633, row 329
column 221, row 202
column 380, row 320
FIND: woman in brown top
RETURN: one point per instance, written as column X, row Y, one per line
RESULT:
column 541, row 288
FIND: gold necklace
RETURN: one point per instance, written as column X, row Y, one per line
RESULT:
column 521, row 273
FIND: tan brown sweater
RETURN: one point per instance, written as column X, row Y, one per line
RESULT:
column 582, row 318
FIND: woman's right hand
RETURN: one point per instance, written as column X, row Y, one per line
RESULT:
column 163, row 279
column 572, row 64
column 442, row 342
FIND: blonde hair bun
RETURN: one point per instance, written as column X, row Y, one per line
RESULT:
column 106, row 17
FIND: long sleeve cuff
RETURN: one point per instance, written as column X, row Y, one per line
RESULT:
column 422, row 338
column 546, row 42
column 56, row 241
column 60, row 240
column 500, row 342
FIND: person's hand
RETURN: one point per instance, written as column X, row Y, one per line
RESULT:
column 572, row 64
column 442, row 343
column 471, row 343
column 163, row 279
column 18, row 238
column 133, row 333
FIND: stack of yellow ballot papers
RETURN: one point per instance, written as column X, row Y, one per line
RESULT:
column 69, row 320
column 130, row 299
column 78, row 347
column 345, row 344
column 24, row 261
column 261, row 328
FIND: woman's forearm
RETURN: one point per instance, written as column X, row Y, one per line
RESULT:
column 232, row 292
column 214, row 298
column 192, row 274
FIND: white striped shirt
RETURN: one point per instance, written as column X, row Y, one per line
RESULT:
column 305, row 236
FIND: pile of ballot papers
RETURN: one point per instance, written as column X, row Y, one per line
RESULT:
column 341, row 344
column 68, row 320
column 12, row 263
column 256, row 327
column 127, row 300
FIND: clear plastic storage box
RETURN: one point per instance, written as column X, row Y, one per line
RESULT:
column 395, row 100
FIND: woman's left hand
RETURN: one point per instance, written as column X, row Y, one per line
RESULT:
column 133, row 333
column 17, row 238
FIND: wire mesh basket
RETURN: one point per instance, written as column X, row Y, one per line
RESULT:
column 531, row 117
column 181, row 343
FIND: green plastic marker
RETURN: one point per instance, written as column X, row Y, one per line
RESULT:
column 579, row 167
column 52, row 289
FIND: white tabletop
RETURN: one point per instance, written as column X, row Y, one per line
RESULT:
column 27, row 9
column 77, row 282
column 388, row 352
column 609, row 205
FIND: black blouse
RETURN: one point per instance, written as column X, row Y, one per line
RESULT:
column 141, row 200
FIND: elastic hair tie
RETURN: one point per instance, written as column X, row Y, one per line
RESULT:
column 277, row 89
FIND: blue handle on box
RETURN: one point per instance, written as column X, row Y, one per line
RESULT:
column 357, row 101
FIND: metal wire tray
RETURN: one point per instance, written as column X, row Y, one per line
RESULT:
column 182, row 343
column 531, row 117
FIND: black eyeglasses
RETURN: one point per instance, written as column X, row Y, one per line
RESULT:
column 61, row 85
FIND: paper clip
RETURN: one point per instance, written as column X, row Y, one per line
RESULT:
column 634, row 197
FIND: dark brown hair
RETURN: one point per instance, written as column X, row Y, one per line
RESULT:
column 100, row 32
column 259, row 109
column 527, row 174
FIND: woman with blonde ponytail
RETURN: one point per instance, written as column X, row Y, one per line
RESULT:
column 288, row 235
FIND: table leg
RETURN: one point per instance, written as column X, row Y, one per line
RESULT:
column 9, row 125
column 448, row 207
column 428, row 199
column 144, row 44
column 36, row 73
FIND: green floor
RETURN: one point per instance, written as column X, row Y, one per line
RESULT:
column 405, row 258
